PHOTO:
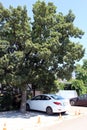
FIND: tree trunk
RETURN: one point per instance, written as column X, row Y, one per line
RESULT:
column 23, row 101
column 34, row 88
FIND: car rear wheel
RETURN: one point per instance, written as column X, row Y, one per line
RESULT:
column 72, row 103
column 49, row 111
column 63, row 112
column 27, row 107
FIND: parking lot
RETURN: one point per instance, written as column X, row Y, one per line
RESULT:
column 32, row 120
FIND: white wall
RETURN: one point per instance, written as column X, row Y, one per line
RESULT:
column 67, row 93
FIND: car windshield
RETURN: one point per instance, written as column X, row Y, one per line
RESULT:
column 57, row 97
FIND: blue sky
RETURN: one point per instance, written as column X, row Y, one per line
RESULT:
column 78, row 7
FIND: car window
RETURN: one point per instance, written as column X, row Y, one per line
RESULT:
column 45, row 97
column 82, row 97
column 57, row 97
column 85, row 96
column 37, row 98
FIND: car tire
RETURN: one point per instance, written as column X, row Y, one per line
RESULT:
column 49, row 111
column 72, row 103
column 27, row 107
column 63, row 112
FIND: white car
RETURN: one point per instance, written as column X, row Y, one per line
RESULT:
column 49, row 103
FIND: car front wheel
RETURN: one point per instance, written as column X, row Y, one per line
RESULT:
column 27, row 107
column 72, row 103
column 49, row 111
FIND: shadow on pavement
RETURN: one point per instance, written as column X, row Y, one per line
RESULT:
column 27, row 115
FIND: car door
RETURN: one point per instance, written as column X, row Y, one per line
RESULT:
column 35, row 103
column 85, row 100
column 45, row 101
column 81, row 100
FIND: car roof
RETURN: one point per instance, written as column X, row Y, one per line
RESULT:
column 50, row 95
column 47, row 94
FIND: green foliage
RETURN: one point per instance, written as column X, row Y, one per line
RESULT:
column 9, row 98
column 60, row 85
column 15, row 30
column 54, row 32
column 81, row 72
column 79, row 86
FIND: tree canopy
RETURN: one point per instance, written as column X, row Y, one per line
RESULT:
column 54, row 31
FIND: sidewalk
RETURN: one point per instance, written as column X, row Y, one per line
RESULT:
column 35, row 121
column 79, row 123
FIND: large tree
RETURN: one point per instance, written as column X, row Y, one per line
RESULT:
column 38, row 54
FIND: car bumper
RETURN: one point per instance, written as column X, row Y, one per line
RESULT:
column 60, row 109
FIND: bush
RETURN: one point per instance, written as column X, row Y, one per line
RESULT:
column 9, row 102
